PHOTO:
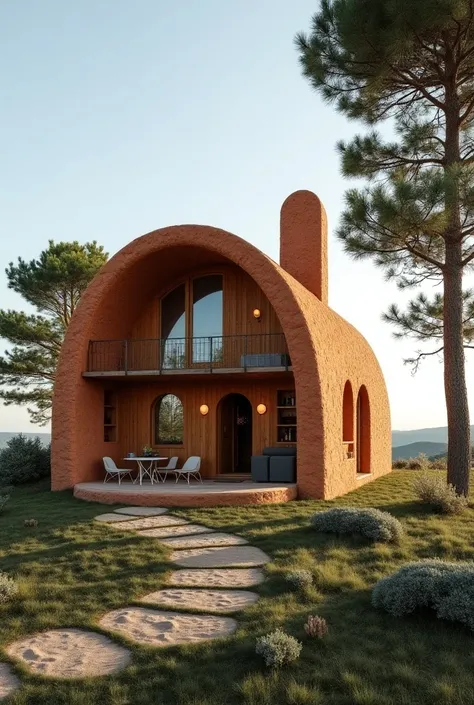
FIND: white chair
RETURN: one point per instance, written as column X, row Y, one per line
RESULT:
column 111, row 470
column 159, row 473
column 190, row 469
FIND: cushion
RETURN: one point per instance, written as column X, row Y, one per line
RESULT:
column 280, row 450
column 259, row 468
column 282, row 469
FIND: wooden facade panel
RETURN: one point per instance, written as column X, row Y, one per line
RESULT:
column 201, row 433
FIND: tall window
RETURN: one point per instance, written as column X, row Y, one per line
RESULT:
column 173, row 328
column 348, row 414
column 363, row 431
column 168, row 420
column 207, row 318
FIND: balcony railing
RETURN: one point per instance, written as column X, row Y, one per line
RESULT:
column 159, row 356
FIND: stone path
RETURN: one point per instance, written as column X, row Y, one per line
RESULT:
column 215, row 566
column 8, row 681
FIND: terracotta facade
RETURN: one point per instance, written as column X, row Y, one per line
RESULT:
column 344, row 432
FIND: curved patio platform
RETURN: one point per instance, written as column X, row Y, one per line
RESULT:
column 207, row 494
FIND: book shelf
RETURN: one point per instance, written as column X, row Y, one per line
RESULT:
column 110, row 417
column 287, row 426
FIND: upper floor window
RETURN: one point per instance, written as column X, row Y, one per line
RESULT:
column 168, row 420
column 193, row 310
column 207, row 317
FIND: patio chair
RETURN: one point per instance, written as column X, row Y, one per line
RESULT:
column 159, row 473
column 111, row 470
column 190, row 469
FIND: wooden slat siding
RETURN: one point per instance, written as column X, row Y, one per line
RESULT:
column 241, row 296
column 135, row 405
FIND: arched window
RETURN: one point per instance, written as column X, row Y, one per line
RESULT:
column 348, row 414
column 363, row 431
column 168, row 420
column 207, row 317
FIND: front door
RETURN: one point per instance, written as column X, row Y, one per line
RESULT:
column 234, row 424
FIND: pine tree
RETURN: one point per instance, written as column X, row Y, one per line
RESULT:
column 410, row 61
column 52, row 284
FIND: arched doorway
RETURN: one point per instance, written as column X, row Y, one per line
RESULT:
column 234, row 435
column 363, row 431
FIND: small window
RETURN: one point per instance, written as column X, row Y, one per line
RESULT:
column 348, row 414
column 168, row 420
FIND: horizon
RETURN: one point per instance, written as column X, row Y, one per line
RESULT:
column 113, row 127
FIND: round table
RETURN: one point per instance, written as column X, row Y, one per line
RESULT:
column 142, row 468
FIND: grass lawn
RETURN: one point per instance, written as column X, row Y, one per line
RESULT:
column 71, row 571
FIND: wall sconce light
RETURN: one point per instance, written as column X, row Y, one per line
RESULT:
column 257, row 313
column 204, row 409
column 261, row 409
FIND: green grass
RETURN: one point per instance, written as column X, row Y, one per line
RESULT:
column 71, row 570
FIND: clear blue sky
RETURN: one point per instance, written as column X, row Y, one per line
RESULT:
column 120, row 117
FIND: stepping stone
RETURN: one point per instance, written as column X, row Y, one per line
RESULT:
column 70, row 653
column 217, row 577
column 180, row 530
column 148, row 523
column 204, row 540
column 162, row 628
column 207, row 600
column 141, row 511
column 8, row 681
column 232, row 556
column 110, row 518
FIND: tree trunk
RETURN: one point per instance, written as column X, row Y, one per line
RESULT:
column 459, row 432
column 459, row 436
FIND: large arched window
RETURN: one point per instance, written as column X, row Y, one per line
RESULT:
column 363, row 431
column 168, row 420
column 193, row 310
column 348, row 414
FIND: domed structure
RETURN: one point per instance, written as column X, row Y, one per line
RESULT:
column 188, row 330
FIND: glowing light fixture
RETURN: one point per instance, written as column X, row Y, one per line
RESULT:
column 261, row 409
column 257, row 313
column 204, row 409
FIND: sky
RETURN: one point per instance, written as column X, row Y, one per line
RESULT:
column 121, row 117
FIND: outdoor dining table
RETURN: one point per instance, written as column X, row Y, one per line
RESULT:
column 142, row 468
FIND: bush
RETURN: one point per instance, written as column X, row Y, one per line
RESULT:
column 4, row 498
column 278, row 648
column 300, row 579
column 31, row 522
column 371, row 523
column 400, row 464
column 316, row 627
column 8, row 588
column 24, row 460
column 443, row 497
column 448, row 588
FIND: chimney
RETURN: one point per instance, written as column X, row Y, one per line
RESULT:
column 303, row 242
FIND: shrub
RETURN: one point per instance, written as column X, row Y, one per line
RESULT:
column 4, row 498
column 435, row 491
column 31, row 522
column 278, row 648
column 8, row 588
column 24, row 460
column 400, row 464
column 300, row 579
column 448, row 588
column 371, row 523
column 316, row 626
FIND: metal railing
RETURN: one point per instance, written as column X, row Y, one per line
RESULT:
column 174, row 354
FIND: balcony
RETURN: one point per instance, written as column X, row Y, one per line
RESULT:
column 266, row 352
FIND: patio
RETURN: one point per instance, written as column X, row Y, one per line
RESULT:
column 209, row 493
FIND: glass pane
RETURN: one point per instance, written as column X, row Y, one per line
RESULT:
column 173, row 328
column 207, row 318
column 169, row 421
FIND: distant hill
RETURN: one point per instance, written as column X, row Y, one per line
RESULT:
column 5, row 437
column 413, row 449
column 432, row 435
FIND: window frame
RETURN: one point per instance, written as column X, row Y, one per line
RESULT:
column 155, row 421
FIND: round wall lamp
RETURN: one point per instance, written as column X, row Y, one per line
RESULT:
column 261, row 409
column 257, row 313
column 204, row 409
